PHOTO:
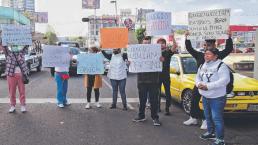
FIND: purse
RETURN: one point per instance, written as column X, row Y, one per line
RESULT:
column 65, row 76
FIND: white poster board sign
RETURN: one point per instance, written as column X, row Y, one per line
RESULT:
column 55, row 56
column 212, row 24
column 90, row 63
column 144, row 58
column 16, row 35
column 158, row 23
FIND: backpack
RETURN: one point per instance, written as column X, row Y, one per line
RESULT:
column 230, row 85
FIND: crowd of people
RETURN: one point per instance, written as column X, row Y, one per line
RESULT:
column 210, row 84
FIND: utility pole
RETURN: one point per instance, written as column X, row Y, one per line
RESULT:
column 256, row 56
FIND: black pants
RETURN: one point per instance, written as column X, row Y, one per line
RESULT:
column 152, row 91
column 89, row 90
column 165, row 80
column 195, row 110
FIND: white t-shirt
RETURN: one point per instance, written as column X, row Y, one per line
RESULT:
column 17, row 70
column 62, row 69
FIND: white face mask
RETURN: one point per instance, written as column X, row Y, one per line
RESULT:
column 15, row 48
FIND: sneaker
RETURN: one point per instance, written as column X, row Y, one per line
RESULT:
column 125, row 108
column 12, row 109
column 60, row 105
column 67, row 103
column 207, row 136
column 147, row 105
column 204, row 125
column 112, row 107
column 191, row 121
column 87, row 106
column 156, row 122
column 23, row 109
column 219, row 142
column 139, row 119
column 97, row 104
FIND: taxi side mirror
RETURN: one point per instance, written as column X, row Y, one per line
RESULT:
column 174, row 71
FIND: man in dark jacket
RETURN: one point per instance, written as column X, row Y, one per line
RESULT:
column 148, row 84
column 195, row 111
column 165, row 74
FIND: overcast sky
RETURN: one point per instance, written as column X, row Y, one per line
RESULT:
column 65, row 15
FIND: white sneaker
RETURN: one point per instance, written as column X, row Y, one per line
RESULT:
column 97, row 104
column 204, row 125
column 87, row 106
column 12, row 109
column 60, row 105
column 67, row 103
column 191, row 121
column 23, row 109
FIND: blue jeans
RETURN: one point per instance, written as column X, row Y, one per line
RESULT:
column 121, row 85
column 62, row 86
column 213, row 112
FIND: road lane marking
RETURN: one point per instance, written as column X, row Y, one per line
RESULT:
column 71, row 100
column 128, row 105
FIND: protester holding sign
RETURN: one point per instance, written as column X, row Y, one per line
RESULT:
column 117, row 75
column 93, row 81
column 165, row 74
column 148, row 85
column 195, row 111
column 62, row 77
column 211, row 80
column 16, row 70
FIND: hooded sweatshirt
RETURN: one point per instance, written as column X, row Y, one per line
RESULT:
column 215, row 79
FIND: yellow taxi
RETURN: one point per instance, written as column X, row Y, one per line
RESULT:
column 183, row 69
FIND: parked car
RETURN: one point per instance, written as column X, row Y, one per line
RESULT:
column 183, row 72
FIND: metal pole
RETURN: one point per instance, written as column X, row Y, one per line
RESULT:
column 256, row 56
column 95, row 23
column 117, row 21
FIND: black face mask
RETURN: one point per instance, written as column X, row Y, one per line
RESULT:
column 116, row 52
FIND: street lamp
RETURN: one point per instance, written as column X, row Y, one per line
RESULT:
column 115, row 2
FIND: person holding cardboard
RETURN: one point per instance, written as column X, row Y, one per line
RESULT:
column 93, row 81
column 117, row 74
column 165, row 74
column 16, row 69
column 148, row 85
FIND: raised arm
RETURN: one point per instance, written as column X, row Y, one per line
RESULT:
column 107, row 56
column 228, row 48
column 189, row 48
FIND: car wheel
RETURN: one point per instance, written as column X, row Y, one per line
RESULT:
column 186, row 100
column 39, row 68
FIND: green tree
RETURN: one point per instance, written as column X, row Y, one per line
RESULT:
column 140, row 33
column 50, row 36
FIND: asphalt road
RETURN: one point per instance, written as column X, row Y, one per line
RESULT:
column 45, row 124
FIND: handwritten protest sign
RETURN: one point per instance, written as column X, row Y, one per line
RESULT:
column 212, row 24
column 158, row 23
column 114, row 37
column 55, row 56
column 16, row 35
column 144, row 58
column 90, row 63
